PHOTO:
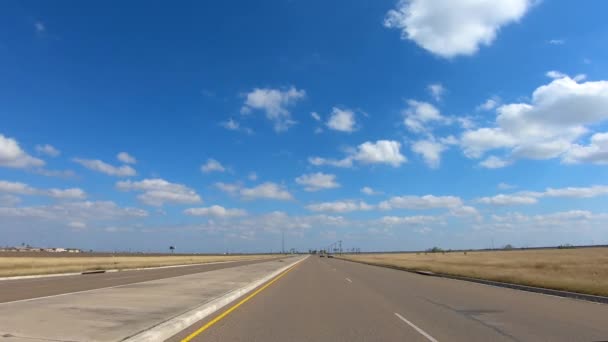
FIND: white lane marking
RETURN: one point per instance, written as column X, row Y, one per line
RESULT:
column 95, row 289
column 422, row 332
column 348, row 280
column 41, row 276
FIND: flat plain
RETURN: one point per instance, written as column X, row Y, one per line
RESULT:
column 583, row 270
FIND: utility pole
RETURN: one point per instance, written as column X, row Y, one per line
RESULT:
column 340, row 243
column 283, row 241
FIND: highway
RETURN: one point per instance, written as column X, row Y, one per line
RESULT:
column 334, row 300
column 21, row 289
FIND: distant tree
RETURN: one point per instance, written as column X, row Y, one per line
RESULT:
column 508, row 246
column 172, row 249
column 435, row 250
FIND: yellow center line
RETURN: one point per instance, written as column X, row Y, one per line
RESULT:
column 227, row 312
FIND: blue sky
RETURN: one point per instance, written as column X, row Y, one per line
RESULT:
column 388, row 125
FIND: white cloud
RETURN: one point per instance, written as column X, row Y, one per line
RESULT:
column 419, row 114
column 252, row 176
column 340, row 206
column 546, row 127
column 48, row 150
column 409, row 220
column 369, row 191
column 87, row 211
column 531, row 197
column 212, row 165
column 233, row 125
column 25, row 189
column 494, row 162
column 502, row 199
column 490, row 104
column 449, row 28
column 318, row 161
column 126, row 158
column 315, row 116
column 100, row 166
column 420, row 202
column 11, row 155
column 228, row 188
column 430, row 150
column 39, row 27
column 77, row 225
column 379, row 152
column 436, row 90
column 267, row 190
column 317, row 181
column 275, row 103
column 157, row 192
column 577, row 192
column 595, row 152
column 72, row 193
column 215, row 211
column 557, row 42
column 505, row 186
column 342, row 120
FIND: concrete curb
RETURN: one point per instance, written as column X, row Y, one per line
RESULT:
column 541, row 290
column 35, row 276
column 167, row 329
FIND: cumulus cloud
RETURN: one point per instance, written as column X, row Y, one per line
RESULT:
column 502, row 199
column 100, row 166
column 420, row 114
column 449, row 28
column 48, row 150
column 420, row 202
column 19, row 188
column 531, row 197
column 409, row 220
column 557, row 41
column 430, row 150
column 215, row 211
column 490, row 103
column 87, row 211
column 212, row 165
column 126, row 158
column 315, row 116
column 436, row 90
column 11, row 155
column 369, row 191
column 595, row 152
column 267, row 190
column 379, row 152
column 233, row 125
column 317, row 181
column 228, row 188
column 275, row 104
column 549, row 126
column 342, row 120
column 340, row 206
column 158, row 192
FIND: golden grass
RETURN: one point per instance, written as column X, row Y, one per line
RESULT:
column 18, row 266
column 583, row 270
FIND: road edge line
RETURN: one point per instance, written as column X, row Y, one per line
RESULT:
column 50, row 275
column 519, row 287
column 173, row 326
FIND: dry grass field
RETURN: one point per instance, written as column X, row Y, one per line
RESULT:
column 583, row 270
column 11, row 265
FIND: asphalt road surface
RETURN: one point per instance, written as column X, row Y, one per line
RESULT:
column 333, row 300
column 20, row 289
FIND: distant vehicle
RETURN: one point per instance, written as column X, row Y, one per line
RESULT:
column 330, row 256
column 321, row 255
